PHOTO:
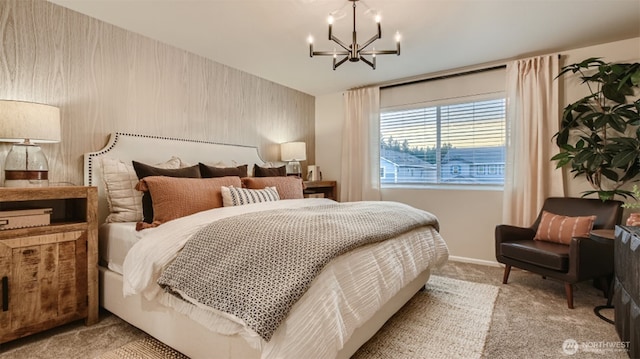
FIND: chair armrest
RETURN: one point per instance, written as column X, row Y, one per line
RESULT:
column 589, row 258
column 507, row 233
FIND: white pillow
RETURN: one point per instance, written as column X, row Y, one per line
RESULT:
column 236, row 196
column 125, row 203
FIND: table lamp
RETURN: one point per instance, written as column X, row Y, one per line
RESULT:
column 26, row 124
column 293, row 152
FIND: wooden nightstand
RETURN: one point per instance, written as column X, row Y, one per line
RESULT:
column 326, row 189
column 49, row 274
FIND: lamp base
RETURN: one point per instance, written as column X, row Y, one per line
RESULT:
column 9, row 182
column 294, row 168
column 26, row 166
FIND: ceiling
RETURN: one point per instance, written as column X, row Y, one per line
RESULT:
column 268, row 38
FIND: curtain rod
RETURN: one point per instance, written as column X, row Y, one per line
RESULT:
column 442, row 77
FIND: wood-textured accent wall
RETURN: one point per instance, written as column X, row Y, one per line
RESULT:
column 106, row 79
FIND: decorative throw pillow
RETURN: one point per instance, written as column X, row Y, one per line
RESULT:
column 144, row 170
column 269, row 171
column 560, row 229
column 288, row 187
column 175, row 197
column 207, row 171
column 234, row 196
column 125, row 203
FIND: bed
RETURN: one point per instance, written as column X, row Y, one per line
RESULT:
column 344, row 306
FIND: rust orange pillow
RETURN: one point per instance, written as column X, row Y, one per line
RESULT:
column 175, row 197
column 560, row 229
column 287, row 187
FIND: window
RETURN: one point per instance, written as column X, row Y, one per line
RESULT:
column 460, row 143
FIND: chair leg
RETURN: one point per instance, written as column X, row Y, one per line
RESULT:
column 568, row 288
column 507, row 270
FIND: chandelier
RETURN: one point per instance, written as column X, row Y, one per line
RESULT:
column 354, row 52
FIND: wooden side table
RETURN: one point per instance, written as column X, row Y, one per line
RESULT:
column 323, row 189
column 49, row 273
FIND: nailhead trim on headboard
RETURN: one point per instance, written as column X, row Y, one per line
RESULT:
column 116, row 136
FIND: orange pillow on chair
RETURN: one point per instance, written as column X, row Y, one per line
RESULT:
column 560, row 229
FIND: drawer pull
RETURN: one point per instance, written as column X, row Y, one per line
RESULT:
column 5, row 293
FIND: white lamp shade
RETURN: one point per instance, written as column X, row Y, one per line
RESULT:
column 293, row 151
column 36, row 122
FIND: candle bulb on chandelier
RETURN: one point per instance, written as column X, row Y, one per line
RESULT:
column 310, row 41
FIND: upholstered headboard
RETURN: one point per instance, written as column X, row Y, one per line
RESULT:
column 128, row 147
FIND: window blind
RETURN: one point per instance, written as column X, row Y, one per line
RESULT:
column 444, row 136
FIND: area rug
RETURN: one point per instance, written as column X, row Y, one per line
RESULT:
column 450, row 319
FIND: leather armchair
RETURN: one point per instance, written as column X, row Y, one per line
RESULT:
column 582, row 259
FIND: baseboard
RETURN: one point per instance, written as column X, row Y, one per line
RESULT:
column 475, row 261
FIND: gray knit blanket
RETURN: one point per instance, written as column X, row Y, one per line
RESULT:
column 256, row 266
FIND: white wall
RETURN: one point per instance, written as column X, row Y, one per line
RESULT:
column 467, row 217
column 329, row 132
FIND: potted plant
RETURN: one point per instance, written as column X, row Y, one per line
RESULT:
column 634, row 217
column 599, row 134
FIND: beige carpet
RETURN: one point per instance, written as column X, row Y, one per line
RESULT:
column 450, row 319
column 530, row 320
column 147, row 348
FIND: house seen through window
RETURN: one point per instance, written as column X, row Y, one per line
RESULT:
column 461, row 143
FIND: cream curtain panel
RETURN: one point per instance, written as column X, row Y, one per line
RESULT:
column 360, row 177
column 532, row 119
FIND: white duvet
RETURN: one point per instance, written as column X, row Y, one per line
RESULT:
column 346, row 294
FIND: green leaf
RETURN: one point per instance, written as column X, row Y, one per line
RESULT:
column 631, row 173
column 567, row 148
column 617, row 122
column 612, row 175
column 635, row 77
column 563, row 162
column 584, row 156
column 590, row 62
column 611, row 92
column 560, row 156
column 624, row 158
column 563, row 138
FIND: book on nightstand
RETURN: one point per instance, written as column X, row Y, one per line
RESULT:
column 24, row 218
column 314, row 195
